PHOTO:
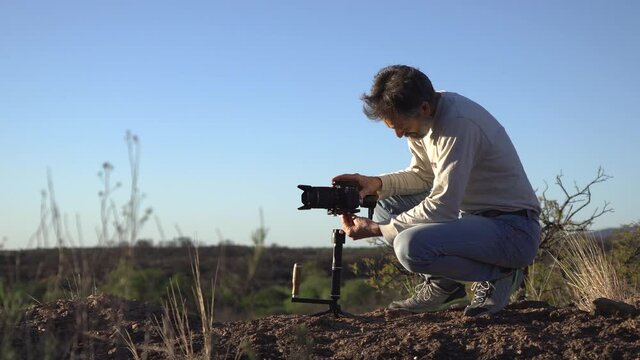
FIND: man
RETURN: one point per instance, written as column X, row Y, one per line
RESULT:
column 463, row 210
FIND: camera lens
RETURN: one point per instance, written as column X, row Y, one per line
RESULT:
column 342, row 197
column 318, row 197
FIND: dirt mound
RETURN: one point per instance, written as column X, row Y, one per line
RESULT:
column 98, row 325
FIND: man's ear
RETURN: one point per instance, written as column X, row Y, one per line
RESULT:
column 425, row 108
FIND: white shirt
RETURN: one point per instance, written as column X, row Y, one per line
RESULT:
column 468, row 162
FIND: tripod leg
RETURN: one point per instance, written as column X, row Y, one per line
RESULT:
column 322, row 312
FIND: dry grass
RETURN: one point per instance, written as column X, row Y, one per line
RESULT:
column 538, row 288
column 589, row 271
column 173, row 326
column 205, row 309
column 131, row 346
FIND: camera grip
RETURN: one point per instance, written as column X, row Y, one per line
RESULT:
column 295, row 281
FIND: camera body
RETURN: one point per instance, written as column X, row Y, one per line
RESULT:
column 341, row 198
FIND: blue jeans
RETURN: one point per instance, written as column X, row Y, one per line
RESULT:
column 471, row 248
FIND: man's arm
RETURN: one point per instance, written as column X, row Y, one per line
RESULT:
column 417, row 178
column 457, row 149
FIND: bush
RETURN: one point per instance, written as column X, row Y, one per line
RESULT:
column 136, row 284
column 269, row 301
column 12, row 302
column 545, row 283
column 358, row 296
column 626, row 254
column 385, row 274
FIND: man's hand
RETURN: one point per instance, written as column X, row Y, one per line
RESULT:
column 359, row 227
column 369, row 185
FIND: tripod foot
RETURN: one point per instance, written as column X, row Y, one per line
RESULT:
column 338, row 313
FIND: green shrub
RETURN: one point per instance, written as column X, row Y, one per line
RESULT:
column 385, row 274
column 358, row 296
column 545, row 282
column 268, row 301
column 626, row 254
column 136, row 284
column 12, row 303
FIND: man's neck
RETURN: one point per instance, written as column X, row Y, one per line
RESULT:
column 434, row 104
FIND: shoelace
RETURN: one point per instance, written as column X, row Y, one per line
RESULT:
column 480, row 291
column 423, row 291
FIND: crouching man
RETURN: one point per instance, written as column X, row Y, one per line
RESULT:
column 463, row 210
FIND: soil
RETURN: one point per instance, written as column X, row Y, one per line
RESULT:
column 96, row 326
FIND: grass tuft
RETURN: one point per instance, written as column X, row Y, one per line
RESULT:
column 589, row 271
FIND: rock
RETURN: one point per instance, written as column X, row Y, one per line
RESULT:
column 608, row 308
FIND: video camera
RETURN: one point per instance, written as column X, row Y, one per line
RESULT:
column 341, row 198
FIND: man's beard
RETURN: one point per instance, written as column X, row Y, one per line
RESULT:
column 422, row 132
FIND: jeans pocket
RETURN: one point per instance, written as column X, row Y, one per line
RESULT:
column 524, row 233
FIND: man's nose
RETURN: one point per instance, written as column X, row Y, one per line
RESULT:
column 399, row 133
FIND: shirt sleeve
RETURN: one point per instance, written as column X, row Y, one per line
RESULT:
column 456, row 149
column 417, row 178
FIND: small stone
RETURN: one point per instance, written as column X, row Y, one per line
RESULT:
column 607, row 307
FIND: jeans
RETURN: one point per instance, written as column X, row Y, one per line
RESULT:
column 471, row 248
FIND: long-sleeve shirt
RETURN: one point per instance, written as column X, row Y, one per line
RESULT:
column 468, row 162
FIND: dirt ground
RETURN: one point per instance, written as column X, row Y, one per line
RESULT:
column 96, row 327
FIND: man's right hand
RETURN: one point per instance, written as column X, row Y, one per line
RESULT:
column 369, row 185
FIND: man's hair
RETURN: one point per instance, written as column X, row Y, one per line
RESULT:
column 397, row 90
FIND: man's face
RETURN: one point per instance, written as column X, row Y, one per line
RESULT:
column 415, row 127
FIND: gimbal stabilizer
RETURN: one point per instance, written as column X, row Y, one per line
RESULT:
column 315, row 198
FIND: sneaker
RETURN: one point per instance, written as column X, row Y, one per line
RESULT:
column 493, row 296
column 430, row 297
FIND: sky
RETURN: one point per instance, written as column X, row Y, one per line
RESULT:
column 235, row 103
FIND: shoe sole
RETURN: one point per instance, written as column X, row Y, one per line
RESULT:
column 456, row 304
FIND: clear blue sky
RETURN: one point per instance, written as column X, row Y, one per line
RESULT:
column 238, row 102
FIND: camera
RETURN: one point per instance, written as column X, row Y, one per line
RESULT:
column 341, row 198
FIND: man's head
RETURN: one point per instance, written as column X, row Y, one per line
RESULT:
column 403, row 97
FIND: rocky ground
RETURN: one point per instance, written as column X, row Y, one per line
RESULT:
column 96, row 327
